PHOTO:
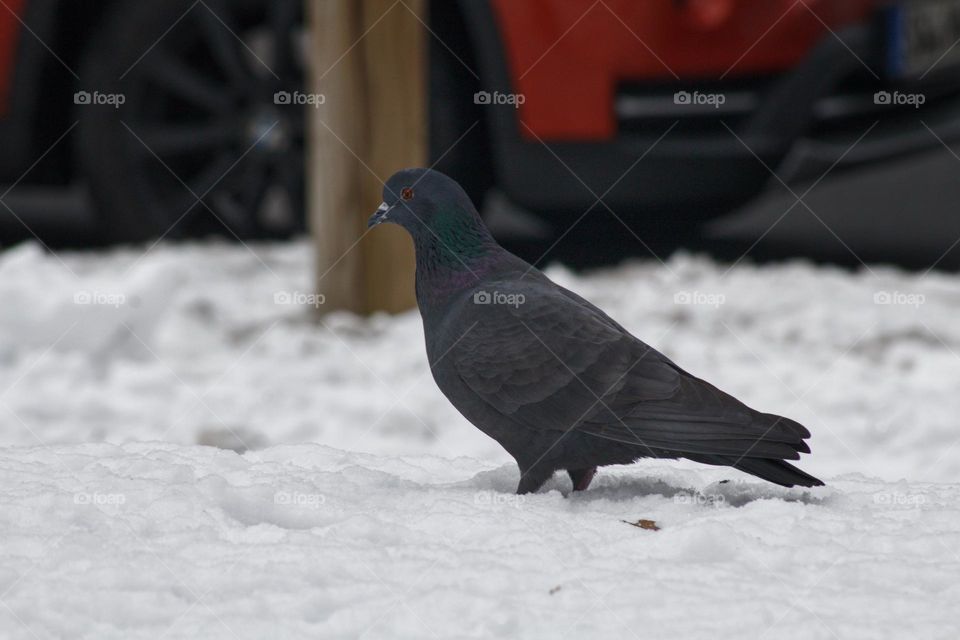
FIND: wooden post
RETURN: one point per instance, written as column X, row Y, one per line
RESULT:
column 369, row 62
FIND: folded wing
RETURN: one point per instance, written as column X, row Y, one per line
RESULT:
column 554, row 362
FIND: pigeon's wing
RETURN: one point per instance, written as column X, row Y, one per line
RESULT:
column 551, row 361
column 545, row 361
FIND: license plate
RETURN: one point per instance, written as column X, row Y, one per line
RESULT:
column 922, row 37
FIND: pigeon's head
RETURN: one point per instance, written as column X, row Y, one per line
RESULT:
column 424, row 201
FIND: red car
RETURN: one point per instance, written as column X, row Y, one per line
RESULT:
column 679, row 107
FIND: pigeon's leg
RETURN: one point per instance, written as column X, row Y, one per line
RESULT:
column 581, row 477
column 533, row 478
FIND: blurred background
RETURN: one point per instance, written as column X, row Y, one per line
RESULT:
column 701, row 123
column 182, row 180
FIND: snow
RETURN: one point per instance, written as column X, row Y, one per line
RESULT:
column 343, row 497
column 309, row 541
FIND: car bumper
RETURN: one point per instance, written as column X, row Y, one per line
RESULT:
column 697, row 162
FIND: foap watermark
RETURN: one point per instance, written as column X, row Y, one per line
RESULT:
column 299, row 298
column 699, row 298
column 115, row 100
column 700, row 99
column 899, row 298
column 701, row 500
column 298, row 98
column 897, row 499
column 497, row 499
column 99, row 499
column 104, row 298
column 896, row 98
column 498, row 297
column 298, row 499
column 497, row 98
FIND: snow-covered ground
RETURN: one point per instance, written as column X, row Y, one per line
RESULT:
column 344, row 497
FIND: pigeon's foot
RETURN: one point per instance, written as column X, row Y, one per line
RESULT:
column 581, row 477
column 532, row 479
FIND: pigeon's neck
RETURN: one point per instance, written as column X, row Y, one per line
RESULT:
column 454, row 256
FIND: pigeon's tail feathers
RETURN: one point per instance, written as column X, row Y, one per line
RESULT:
column 756, row 435
column 753, row 442
column 786, row 424
column 777, row 472
column 755, row 460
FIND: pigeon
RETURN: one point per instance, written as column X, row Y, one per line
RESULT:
column 553, row 379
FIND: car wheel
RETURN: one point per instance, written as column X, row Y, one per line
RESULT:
column 192, row 119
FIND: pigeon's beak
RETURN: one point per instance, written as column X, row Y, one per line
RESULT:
column 379, row 215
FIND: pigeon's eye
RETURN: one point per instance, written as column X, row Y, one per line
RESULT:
column 406, row 193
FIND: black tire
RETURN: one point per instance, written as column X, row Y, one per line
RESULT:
column 199, row 145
